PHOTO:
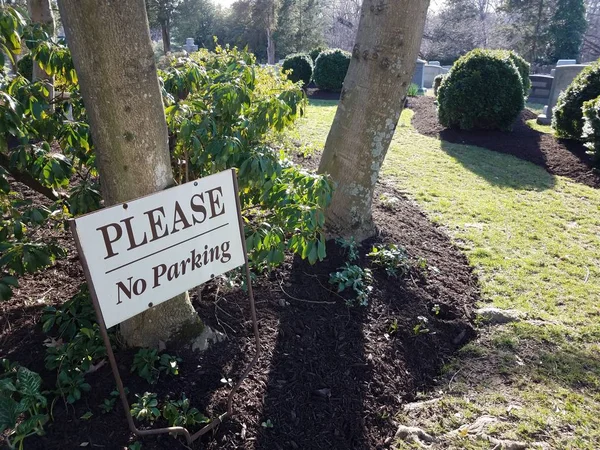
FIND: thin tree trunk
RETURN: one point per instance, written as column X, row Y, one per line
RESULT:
column 270, row 47
column 382, row 66
column 41, row 12
column 112, row 53
column 536, row 32
column 166, row 36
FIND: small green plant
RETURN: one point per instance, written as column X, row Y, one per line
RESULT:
column 71, row 316
column 393, row 328
column 73, row 360
column 146, row 408
column 108, row 403
column 180, row 414
column 435, row 309
column 349, row 246
column 357, row 278
column 413, row 90
column 421, row 326
column 137, row 445
column 267, row 424
column 392, row 258
column 23, row 407
column 148, row 364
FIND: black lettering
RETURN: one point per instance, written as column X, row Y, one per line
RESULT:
column 173, row 272
column 125, row 289
column 215, row 202
column 107, row 239
column 214, row 254
column 179, row 217
column 196, row 260
column 199, row 208
column 225, row 255
column 159, row 271
column 156, row 224
column 139, row 286
column 130, row 235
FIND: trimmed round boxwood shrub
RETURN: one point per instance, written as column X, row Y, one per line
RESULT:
column 331, row 68
column 315, row 52
column 25, row 66
column 301, row 66
column 483, row 90
column 523, row 68
column 567, row 118
column 437, row 81
column 591, row 127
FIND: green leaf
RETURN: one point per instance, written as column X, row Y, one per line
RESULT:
column 9, row 412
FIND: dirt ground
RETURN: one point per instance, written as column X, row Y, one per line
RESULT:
column 330, row 376
column 558, row 156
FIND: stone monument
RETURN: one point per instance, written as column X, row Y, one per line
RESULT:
column 563, row 76
column 418, row 75
column 430, row 72
column 189, row 46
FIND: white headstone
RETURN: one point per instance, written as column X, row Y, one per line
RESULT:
column 566, row 62
column 563, row 76
column 189, row 46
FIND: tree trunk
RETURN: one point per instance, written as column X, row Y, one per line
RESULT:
column 270, row 47
column 41, row 12
column 537, row 31
column 372, row 98
column 166, row 36
column 110, row 43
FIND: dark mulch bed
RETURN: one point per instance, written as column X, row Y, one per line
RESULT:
column 316, row 94
column 557, row 156
column 330, row 376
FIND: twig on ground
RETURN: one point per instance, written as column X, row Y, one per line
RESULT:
column 302, row 300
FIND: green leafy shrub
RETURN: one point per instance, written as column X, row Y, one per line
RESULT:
column 591, row 127
column 437, row 81
column 483, row 90
column 148, row 364
column 521, row 65
column 25, row 66
column 23, row 407
column 330, row 69
column 355, row 277
column 567, row 118
column 413, row 90
column 301, row 67
column 221, row 107
column 146, row 408
column 179, row 413
column 315, row 52
column 392, row 258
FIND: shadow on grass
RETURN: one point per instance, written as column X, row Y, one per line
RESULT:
column 500, row 169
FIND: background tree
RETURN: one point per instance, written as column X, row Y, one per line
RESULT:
column 199, row 19
column 567, row 29
column 372, row 99
column 160, row 13
column 264, row 16
column 591, row 40
column 112, row 53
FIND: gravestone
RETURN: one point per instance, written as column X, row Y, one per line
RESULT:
column 419, row 73
column 429, row 73
column 189, row 46
column 541, row 86
column 434, row 63
column 563, row 76
column 563, row 62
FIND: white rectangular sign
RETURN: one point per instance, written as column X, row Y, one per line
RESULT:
column 146, row 251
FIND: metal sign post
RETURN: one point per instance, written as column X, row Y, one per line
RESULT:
column 215, row 198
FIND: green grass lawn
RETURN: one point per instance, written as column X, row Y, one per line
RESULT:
column 533, row 240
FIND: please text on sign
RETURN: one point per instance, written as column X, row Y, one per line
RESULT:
column 146, row 251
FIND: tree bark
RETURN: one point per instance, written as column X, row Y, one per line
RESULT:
column 41, row 12
column 270, row 47
column 112, row 53
column 166, row 36
column 372, row 98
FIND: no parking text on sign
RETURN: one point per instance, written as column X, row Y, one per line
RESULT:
column 144, row 252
